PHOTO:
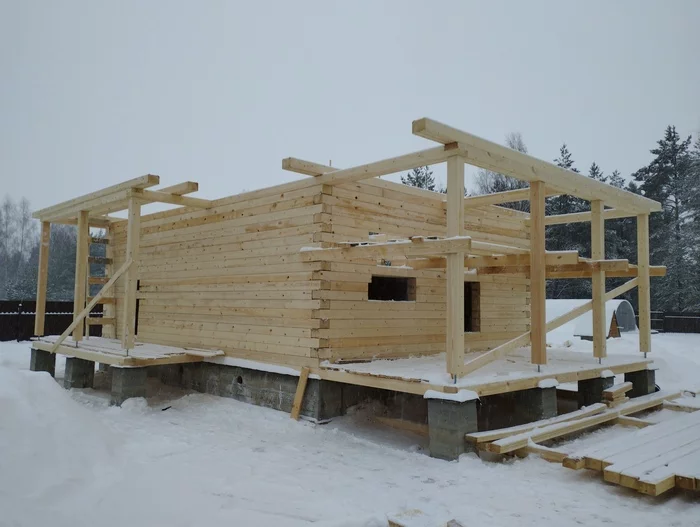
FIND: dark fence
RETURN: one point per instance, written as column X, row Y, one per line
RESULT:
column 17, row 319
column 674, row 322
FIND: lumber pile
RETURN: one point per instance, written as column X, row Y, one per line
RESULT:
column 615, row 395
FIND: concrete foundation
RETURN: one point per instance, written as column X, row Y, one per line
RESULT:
column 448, row 422
column 80, row 373
column 127, row 383
column 643, row 382
column 323, row 400
column 590, row 391
column 43, row 361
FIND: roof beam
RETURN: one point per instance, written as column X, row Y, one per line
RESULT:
column 163, row 197
column 486, row 154
column 580, row 217
column 186, row 187
column 507, row 196
column 73, row 206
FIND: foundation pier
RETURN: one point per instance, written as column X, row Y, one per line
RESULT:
column 448, row 421
column 517, row 408
column 80, row 373
column 43, row 361
column 643, row 382
column 590, row 391
column 127, row 383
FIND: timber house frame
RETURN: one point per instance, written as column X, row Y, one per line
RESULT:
column 281, row 275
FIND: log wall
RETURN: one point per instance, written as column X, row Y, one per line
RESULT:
column 235, row 277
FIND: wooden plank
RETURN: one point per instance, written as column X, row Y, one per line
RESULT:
column 132, row 254
column 96, row 240
column 548, row 454
column 42, row 278
column 99, row 260
column 495, row 354
column 600, row 332
column 538, row 293
column 493, row 435
column 91, row 304
column 406, row 248
column 496, row 198
column 643, row 289
column 492, row 156
column 299, row 395
column 81, row 269
column 455, row 267
column 509, row 444
column 72, row 207
column 626, row 420
column 96, row 280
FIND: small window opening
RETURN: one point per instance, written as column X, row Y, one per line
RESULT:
column 392, row 288
column 472, row 311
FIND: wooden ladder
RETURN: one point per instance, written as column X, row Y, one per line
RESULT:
column 108, row 319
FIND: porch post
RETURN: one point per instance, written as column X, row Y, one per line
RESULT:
column 132, row 252
column 600, row 332
column 81, row 267
column 643, row 283
column 538, row 284
column 455, row 266
column 42, row 279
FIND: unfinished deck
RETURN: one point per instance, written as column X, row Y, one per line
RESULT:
column 110, row 351
column 511, row 373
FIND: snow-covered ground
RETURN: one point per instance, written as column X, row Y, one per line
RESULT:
column 67, row 458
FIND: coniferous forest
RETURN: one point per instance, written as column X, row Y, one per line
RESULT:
column 672, row 178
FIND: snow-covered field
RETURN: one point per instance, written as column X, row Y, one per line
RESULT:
column 67, row 458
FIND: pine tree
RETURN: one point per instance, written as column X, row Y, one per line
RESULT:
column 488, row 182
column 616, row 180
column 596, row 173
column 667, row 179
column 421, row 177
column 568, row 237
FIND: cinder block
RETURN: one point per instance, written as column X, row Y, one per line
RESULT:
column 590, row 391
column 517, row 408
column 643, row 382
column 127, row 383
column 448, row 422
column 41, row 360
column 80, row 373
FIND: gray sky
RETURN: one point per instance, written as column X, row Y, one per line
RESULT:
column 93, row 93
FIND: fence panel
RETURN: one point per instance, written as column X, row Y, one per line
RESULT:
column 17, row 319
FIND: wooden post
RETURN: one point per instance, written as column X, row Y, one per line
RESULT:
column 538, row 284
column 600, row 332
column 455, row 267
column 643, row 286
column 299, row 395
column 132, row 253
column 42, row 279
column 109, row 310
column 81, row 268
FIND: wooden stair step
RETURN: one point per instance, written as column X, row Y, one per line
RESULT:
column 103, row 300
column 99, row 241
column 100, row 321
column 99, row 260
column 93, row 280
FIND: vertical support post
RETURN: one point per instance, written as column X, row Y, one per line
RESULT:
column 538, row 284
column 132, row 252
column 42, row 279
column 109, row 310
column 600, row 332
column 81, row 267
column 643, row 283
column 455, row 266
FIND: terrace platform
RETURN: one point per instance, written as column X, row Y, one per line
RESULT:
column 509, row 374
column 110, row 351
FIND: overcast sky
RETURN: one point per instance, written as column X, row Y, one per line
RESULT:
column 93, row 93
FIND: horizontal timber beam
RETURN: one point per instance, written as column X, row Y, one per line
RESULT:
column 74, row 206
column 581, row 217
column 186, row 187
column 492, row 156
column 416, row 247
column 502, row 197
column 173, row 199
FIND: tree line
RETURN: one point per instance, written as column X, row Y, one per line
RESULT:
column 19, row 255
column 671, row 178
